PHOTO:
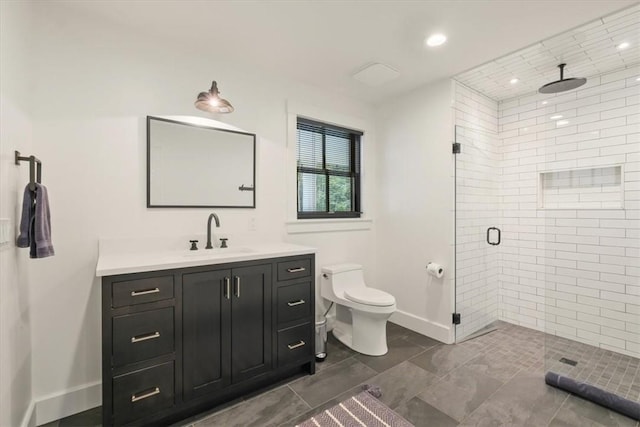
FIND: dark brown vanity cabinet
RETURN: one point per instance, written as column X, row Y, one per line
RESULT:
column 217, row 305
column 178, row 342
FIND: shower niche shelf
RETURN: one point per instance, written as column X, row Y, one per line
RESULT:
column 582, row 188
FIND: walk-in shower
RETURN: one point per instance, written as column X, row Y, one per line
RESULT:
column 548, row 201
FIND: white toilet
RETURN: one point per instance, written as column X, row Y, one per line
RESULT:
column 361, row 312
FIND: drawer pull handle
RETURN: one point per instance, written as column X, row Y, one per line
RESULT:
column 294, row 303
column 296, row 270
column 145, row 292
column 294, row 346
column 153, row 392
column 145, row 337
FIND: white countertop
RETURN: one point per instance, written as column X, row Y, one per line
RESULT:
column 112, row 261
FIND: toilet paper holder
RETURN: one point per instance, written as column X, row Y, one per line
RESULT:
column 435, row 269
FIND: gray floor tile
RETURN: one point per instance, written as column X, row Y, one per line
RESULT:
column 460, row 392
column 579, row 412
column 269, row 409
column 402, row 382
column 421, row 340
column 90, row 418
column 396, row 331
column 523, row 401
column 442, row 359
column 336, row 352
column 399, row 350
column 326, row 384
column 421, row 414
column 494, row 365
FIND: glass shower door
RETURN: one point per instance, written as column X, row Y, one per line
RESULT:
column 478, row 232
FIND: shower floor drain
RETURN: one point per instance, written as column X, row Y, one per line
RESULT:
column 568, row 361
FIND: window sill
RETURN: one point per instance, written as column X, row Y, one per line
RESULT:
column 327, row 225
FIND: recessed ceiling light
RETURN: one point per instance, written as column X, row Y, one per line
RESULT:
column 545, row 102
column 514, row 80
column 436, row 39
column 623, row 45
column 562, row 122
column 638, row 79
column 556, row 117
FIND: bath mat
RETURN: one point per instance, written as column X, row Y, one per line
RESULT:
column 360, row 410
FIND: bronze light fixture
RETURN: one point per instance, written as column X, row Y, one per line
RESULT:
column 211, row 101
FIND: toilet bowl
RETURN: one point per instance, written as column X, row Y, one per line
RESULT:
column 361, row 312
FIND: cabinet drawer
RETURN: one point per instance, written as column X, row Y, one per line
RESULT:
column 143, row 392
column 294, row 302
column 294, row 269
column 142, row 335
column 138, row 291
column 294, row 343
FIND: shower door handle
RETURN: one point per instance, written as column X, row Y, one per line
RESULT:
column 489, row 234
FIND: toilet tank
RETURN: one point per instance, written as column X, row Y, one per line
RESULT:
column 343, row 276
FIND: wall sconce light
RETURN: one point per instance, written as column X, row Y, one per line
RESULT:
column 211, row 101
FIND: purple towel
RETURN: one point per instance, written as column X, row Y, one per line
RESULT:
column 35, row 224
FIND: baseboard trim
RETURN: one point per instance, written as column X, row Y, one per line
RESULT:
column 423, row 326
column 29, row 419
column 68, row 402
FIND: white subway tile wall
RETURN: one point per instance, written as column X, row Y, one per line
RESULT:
column 571, row 267
column 477, row 208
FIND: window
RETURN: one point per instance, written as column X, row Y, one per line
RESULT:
column 328, row 171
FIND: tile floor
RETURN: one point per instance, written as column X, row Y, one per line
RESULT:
column 492, row 380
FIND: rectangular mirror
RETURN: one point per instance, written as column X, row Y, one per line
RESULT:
column 194, row 162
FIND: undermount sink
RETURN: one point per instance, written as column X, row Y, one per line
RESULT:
column 216, row 252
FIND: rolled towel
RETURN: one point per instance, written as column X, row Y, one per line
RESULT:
column 594, row 394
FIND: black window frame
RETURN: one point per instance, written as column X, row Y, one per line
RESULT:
column 355, row 167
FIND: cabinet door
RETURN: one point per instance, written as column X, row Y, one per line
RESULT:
column 251, row 322
column 205, row 334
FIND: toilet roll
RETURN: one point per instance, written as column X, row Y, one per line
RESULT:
column 435, row 270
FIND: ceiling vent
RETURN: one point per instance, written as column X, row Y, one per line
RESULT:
column 376, row 74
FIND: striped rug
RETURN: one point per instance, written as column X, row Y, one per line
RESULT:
column 362, row 410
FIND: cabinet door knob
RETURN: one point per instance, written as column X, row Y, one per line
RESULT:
column 237, row 286
column 294, row 303
column 153, row 392
column 145, row 292
column 293, row 346
column 296, row 270
column 145, row 337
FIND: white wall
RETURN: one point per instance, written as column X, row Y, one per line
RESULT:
column 415, row 213
column 15, row 134
column 574, row 272
column 95, row 83
column 478, row 180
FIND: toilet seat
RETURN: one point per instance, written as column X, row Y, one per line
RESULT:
column 370, row 296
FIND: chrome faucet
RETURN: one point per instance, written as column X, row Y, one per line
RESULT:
column 213, row 215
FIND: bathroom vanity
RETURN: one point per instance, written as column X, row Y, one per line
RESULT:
column 183, row 332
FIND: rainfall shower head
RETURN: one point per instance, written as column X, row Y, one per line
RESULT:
column 562, row 84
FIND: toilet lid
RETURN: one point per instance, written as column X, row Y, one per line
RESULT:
column 369, row 296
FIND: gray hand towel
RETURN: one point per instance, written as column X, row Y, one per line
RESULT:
column 28, row 213
column 35, row 224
